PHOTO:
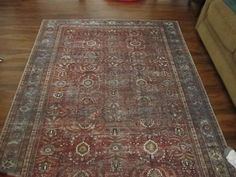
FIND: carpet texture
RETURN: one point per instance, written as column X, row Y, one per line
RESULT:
column 105, row 98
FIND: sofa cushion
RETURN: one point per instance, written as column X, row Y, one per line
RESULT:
column 223, row 21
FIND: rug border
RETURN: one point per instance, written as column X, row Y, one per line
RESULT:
column 202, row 86
column 23, row 75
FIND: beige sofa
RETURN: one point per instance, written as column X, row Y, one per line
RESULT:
column 217, row 29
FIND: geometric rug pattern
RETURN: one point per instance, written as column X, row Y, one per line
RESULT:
column 106, row 98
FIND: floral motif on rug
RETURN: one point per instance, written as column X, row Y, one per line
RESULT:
column 103, row 98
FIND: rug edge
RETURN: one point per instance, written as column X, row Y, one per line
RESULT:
column 23, row 75
column 202, row 87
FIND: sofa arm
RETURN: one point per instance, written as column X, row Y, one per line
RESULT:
column 203, row 11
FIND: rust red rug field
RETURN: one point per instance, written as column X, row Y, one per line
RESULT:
column 103, row 98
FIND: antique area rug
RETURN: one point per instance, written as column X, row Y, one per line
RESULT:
column 105, row 98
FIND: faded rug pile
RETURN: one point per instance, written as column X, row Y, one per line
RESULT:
column 106, row 98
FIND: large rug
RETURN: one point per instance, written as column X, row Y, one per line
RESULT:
column 105, row 98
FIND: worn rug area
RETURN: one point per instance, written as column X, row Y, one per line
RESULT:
column 106, row 98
